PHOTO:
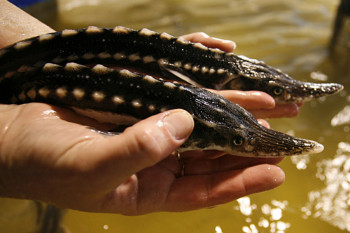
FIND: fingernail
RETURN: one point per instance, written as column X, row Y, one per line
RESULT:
column 179, row 123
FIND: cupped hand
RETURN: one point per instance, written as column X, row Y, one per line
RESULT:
column 46, row 156
column 52, row 154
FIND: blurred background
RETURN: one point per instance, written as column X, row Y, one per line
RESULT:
column 293, row 35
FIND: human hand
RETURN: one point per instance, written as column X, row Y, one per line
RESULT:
column 48, row 153
column 46, row 156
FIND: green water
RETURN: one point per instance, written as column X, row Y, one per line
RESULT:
column 292, row 35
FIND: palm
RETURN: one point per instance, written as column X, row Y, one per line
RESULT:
column 207, row 182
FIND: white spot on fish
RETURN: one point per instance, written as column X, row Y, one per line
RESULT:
column 119, row 56
column 146, row 32
column 100, row 69
column 217, row 51
column 200, row 46
column 78, row 93
column 88, row 56
column 98, row 96
column 22, row 97
column 50, row 67
column 163, row 62
column 128, row 74
column 148, row 59
column 220, row 71
column 181, row 40
column 117, row 99
column 195, row 68
column 72, row 57
column 121, row 30
column 31, row 93
column 61, row 92
column 72, row 67
column 212, row 71
column 22, row 44
column 136, row 103
column 150, row 79
column 178, row 64
column 44, row 92
column 230, row 75
column 187, row 66
column 204, row 69
column 166, row 36
column 69, row 32
column 104, row 55
column 151, row 108
column 93, row 30
column 134, row 57
column 46, row 37
column 170, row 85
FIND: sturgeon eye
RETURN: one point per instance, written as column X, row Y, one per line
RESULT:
column 237, row 141
column 277, row 91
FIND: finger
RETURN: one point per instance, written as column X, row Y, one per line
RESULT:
column 140, row 146
column 250, row 100
column 285, row 110
column 202, row 163
column 264, row 123
column 211, row 42
column 210, row 190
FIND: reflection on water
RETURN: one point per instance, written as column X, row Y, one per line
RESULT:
column 301, row 162
column 218, row 229
column 331, row 203
column 270, row 216
column 342, row 117
column 292, row 35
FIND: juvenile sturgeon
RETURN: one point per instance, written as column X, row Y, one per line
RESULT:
column 41, row 69
column 160, row 55
column 131, row 97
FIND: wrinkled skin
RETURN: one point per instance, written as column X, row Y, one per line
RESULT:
column 47, row 153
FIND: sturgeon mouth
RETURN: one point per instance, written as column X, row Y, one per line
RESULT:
column 276, row 144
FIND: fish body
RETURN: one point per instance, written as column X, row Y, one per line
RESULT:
column 163, row 55
column 60, row 68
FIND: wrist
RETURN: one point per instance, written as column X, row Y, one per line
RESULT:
column 18, row 25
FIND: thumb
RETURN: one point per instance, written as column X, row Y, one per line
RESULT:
column 148, row 141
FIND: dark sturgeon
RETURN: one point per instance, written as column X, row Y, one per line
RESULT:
column 161, row 55
column 130, row 97
column 41, row 69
